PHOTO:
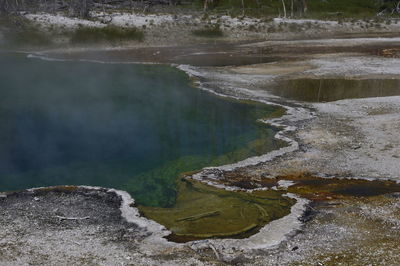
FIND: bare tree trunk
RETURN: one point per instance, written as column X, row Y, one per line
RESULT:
column 3, row 7
column 291, row 9
column 205, row 5
column 131, row 5
column 6, row 6
column 84, row 8
column 305, row 7
column 284, row 8
column 396, row 9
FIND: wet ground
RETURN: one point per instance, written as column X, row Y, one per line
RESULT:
column 312, row 187
column 329, row 89
column 199, row 55
column 221, row 54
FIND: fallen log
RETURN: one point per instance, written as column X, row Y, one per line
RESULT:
column 71, row 218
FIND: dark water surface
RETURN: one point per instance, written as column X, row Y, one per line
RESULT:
column 132, row 127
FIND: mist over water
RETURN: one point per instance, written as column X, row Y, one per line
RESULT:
column 131, row 127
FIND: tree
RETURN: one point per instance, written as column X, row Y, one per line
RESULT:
column 284, row 8
column 390, row 6
column 299, row 6
column 81, row 8
column 7, row 6
column 304, row 6
column 206, row 3
column 3, row 7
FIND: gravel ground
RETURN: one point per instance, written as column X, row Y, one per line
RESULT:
column 76, row 226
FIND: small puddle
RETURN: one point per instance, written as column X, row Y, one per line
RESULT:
column 327, row 90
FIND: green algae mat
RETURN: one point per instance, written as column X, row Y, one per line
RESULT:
column 202, row 211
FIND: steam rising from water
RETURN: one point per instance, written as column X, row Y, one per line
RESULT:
column 131, row 127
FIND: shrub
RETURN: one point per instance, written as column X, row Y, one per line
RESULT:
column 109, row 33
column 18, row 31
column 209, row 32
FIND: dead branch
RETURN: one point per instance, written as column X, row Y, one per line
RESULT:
column 71, row 218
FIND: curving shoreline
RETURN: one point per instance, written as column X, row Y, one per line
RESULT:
column 328, row 129
column 158, row 232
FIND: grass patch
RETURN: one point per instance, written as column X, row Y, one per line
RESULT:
column 209, row 32
column 111, row 34
column 20, row 32
column 28, row 37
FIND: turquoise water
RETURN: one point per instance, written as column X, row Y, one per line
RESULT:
column 131, row 127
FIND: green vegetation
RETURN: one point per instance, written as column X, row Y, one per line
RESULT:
column 344, row 8
column 213, row 31
column 112, row 34
column 18, row 32
column 331, row 9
